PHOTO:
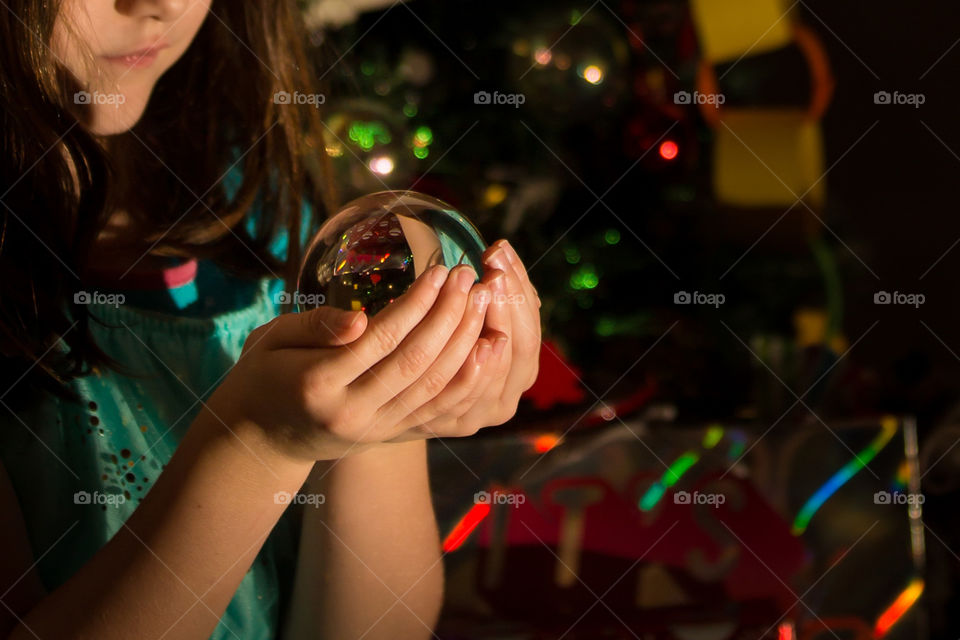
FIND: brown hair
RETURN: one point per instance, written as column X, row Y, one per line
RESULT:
column 213, row 106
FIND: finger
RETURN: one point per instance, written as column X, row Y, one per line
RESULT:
column 469, row 382
column 514, row 258
column 524, row 319
column 389, row 328
column 523, row 358
column 496, row 264
column 420, row 348
column 525, row 343
column 481, row 397
column 471, row 385
column 320, row 327
column 451, row 358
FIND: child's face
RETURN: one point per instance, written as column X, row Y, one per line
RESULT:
column 118, row 49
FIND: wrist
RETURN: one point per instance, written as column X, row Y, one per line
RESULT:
column 383, row 459
column 251, row 443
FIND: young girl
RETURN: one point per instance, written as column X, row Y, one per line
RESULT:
column 159, row 411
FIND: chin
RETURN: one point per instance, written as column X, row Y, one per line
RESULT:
column 113, row 119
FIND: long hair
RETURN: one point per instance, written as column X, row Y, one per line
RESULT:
column 213, row 109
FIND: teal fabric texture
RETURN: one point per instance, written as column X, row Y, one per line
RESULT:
column 80, row 470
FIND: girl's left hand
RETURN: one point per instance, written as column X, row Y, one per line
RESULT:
column 488, row 394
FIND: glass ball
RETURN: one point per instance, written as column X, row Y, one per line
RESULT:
column 373, row 249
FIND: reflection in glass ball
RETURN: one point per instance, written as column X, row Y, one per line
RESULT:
column 373, row 249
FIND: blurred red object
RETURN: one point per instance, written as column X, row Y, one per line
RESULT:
column 558, row 381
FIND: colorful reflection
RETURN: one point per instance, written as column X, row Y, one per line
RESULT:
column 462, row 530
column 670, row 477
column 899, row 608
column 841, row 477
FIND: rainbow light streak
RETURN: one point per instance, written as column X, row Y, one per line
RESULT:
column 462, row 530
column 713, row 435
column 670, row 477
column 902, row 477
column 899, row 608
column 889, row 427
column 737, row 448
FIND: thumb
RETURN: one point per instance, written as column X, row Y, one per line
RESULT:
column 320, row 327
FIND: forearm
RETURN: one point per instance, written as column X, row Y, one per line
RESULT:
column 369, row 562
column 172, row 570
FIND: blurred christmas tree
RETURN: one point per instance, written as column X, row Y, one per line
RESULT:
column 560, row 128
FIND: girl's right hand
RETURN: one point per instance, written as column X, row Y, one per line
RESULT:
column 321, row 383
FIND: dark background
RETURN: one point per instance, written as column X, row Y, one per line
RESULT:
column 891, row 208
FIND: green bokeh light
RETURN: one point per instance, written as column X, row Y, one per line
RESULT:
column 423, row 135
column 584, row 278
column 368, row 134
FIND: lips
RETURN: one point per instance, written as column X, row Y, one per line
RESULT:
column 138, row 59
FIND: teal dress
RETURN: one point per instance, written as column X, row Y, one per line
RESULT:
column 80, row 470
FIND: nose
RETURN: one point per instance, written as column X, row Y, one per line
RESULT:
column 162, row 10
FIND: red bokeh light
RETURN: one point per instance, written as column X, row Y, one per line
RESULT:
column 669, row 150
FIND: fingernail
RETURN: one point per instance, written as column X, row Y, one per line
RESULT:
column 498, row 258
column 347, row 320
column 438, row 275
column 498, row 281
column 511, row 252
column 465, row 278
column 483, row 352
column 498, row 345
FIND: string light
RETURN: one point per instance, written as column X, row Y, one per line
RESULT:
column 669, row 150
column 543, row 56
column 593, row 74
column 382, row 165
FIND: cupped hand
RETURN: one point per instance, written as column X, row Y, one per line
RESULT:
column 447, row 358
column 488, row 395
column 320, row 383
